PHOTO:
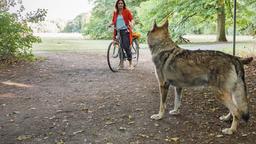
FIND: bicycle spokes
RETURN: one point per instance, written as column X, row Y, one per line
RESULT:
column 115, row 51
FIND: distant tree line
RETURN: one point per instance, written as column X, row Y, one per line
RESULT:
column 76, row 25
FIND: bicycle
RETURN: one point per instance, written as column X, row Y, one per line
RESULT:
column 116, row 53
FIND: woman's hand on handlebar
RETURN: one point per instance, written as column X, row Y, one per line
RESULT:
column 110, row 25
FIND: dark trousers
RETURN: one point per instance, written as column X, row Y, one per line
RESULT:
column 125, row 43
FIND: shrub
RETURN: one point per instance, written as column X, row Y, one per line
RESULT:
column 16, row 38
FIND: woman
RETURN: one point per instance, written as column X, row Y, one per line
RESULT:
column 123, row 20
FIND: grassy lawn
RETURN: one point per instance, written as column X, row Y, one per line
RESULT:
column 74, row 45
column 242, row 49
column 245, row 46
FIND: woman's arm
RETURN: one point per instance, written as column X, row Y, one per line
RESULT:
column 131, row 23
column 130, row 18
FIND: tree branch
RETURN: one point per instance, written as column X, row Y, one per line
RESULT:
column 184, row 19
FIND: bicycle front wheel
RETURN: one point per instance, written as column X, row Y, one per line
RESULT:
column 113, row 56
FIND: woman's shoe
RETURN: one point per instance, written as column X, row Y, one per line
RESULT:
column 121, row 65
column 131, row 67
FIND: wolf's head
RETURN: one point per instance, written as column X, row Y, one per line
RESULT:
column 158, row 35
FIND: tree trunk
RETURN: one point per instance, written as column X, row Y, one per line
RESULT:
column 221, row 32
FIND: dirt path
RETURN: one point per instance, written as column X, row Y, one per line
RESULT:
column 73, row 98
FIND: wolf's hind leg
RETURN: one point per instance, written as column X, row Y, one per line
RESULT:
column 163, row 94
column 177, row 101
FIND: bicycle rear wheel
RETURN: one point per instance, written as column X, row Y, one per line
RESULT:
column 135, row 52
column 113, row 56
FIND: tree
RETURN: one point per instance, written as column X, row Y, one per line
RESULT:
column 16, row 38
column 221, row 32
column 186, row 16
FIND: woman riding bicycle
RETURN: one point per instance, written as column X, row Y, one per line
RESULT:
column 123, row 21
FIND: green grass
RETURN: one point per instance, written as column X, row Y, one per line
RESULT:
column 74, row 45
column 242, row 48
column 246, row 48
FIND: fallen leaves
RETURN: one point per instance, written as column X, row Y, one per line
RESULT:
column 245, row 134
column 109, row 122
column 219, row 136
column 23, row 137
column 156, row 124
column 60, row 142
column 213, row 109
column 172, row 139
column 77, row 132
column 32, row 108
column 122, row 128
column 143, row 135
column 131, row 122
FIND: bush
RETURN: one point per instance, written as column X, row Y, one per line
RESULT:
column 16, row 38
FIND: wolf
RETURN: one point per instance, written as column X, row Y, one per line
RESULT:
column 183, row 68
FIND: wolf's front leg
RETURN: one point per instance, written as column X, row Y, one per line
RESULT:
column 177, row 101
column 163, row 94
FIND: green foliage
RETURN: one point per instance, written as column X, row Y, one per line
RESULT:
column 100, row 18
column 184, row 16
column 35, row 16
column 17, row 9
column 194, row 16
column 16, row 38
column 246, row 17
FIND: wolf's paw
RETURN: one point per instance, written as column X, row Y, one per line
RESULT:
column 157, row 116
column 174, row 112
column 225, row 117
column 228, row 131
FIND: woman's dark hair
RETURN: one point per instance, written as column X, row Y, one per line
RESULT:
column 116, row 6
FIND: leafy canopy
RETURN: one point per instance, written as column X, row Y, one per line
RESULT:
column 194, row 16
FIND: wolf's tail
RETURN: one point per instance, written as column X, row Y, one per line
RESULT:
column 241, row 100
column 246, row 116
column 244, row 107
column 244, row 111
column 239, row 94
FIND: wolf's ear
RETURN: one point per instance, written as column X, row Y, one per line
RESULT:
column 154, row 26
column 166, row 24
